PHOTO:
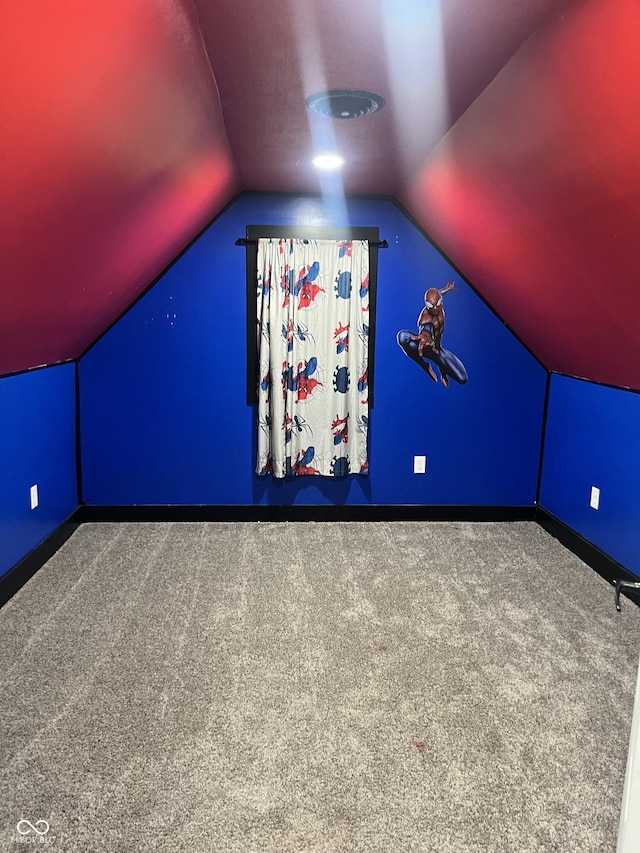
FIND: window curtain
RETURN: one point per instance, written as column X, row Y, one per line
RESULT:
column 313, row 336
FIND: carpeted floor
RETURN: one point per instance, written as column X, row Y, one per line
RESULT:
column 445, row 687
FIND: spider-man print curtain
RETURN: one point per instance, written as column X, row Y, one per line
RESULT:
column 313, row 335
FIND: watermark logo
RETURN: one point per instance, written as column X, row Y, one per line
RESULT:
column 33, row 833
column 24, row 827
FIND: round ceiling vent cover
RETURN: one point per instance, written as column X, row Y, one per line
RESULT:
column 345, row 103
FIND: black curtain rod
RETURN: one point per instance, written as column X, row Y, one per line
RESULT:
column 377, row 244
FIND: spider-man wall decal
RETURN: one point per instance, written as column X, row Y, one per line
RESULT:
column 426, row 346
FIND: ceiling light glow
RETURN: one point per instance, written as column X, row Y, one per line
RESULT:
column 328, row 161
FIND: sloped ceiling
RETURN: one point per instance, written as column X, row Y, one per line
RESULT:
column 535, row 193
column 510, row 133
column 113, row 156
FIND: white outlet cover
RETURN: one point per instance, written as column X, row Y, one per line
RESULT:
column 419, row 464
column 594, row 501
column 34, row 496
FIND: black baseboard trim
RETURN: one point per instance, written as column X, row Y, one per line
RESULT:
column 602, row 563
column 17, row 576
column 405, row 512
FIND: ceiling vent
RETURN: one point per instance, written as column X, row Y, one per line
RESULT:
column 345, row 103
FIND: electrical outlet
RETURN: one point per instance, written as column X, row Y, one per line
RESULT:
column 34, row 496
column 594, row 501
column 419, row 464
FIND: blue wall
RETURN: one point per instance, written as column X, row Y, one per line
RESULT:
column 37, row 446
column 592, row 439
column 164, row 418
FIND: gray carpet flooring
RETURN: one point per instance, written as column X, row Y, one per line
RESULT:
column 391, row 687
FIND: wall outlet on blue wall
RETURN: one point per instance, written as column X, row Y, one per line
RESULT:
column 594, row 501
column 34, row 496
column 419, row 464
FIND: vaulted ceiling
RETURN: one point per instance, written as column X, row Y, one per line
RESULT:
column 510, row 133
